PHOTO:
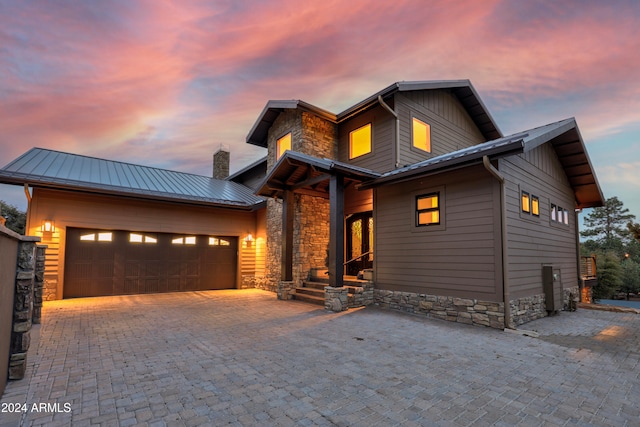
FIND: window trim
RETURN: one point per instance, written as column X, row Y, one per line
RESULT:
column 370, row 126
column 561, row 215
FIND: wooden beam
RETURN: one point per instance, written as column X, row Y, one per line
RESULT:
column 311, row 181
column 288, row 212
column 336, row 231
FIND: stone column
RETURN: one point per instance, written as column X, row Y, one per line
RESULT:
column 38, row 284
column 285, row 289
column 336, row 298
column 22, row 309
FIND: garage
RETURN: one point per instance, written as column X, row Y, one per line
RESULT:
column 118, row 262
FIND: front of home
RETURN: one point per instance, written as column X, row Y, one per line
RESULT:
column 416, row 186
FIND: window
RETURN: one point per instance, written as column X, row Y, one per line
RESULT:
column 559, row 215
column 88, row 237
column 188, row 240
column 283, row 144
column 139, row 238
column 105, row 237
column 526, row 202
column 535, row 205
column 360, row 141
column 428, row 209
column 214, row 241
column 421, row 135
column 101, row 237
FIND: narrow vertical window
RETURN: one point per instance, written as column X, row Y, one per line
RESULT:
column 535, row 205
column 526, row 202
column 554, row 213
column 283, row 144
column 428, row 209
column 360, row 141
column 421, row 135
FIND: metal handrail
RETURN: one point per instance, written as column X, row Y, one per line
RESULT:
column 358, row 257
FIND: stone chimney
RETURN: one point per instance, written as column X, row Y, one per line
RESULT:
column 221, row 163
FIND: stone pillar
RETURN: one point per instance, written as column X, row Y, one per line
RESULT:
column 221, row 164
column 285, row 290
column 22, row 309
column 336, row 299
column 38, row 285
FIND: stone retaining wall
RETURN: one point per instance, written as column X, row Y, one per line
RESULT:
column 461, row 310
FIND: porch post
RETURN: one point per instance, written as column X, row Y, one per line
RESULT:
column 286, row 267
column 336, row 231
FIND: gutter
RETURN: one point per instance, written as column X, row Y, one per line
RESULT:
column 503, row 232
column 389, row 109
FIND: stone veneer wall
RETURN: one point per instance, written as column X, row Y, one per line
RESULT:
column 534, row 307
column 461, row 310
column 316, row 137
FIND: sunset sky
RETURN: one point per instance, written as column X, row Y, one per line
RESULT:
column 164, row 83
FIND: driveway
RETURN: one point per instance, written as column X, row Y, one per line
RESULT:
column 244, row 358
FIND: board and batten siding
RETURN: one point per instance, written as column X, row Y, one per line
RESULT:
column 381, row 157
column 461, row 260
column 74, row 209
column 451, row 126
column 534, row 242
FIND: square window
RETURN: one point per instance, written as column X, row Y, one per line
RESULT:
column 428, row 209
column 360, row 141
column 283, row 144
column 421, row 135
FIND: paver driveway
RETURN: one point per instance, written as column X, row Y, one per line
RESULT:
column 245, row 358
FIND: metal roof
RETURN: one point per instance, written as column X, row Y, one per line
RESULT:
column 462, row 89
column 564, row 137
column 40, row 167
column 309, row 175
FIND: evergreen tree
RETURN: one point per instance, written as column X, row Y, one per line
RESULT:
column 630, row 277
column 16, row 220
column 607, row 226
column 634, row 228
column 609, row 276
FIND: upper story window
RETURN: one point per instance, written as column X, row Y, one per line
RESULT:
column 360, row 141
column 530, row 203
column 559, row 215
column 428, row 209
column 283, row 144
column 421, row 135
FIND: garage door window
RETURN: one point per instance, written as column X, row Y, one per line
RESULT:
column 101, row 237
column 141, row 238
column 214, row 241
column 187, row 240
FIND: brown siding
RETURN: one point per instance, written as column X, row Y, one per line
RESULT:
column 462, row 260
column 534, row 242
column 9, row 251
column 451, row 127
column 357, row 201
column 381, row 158
column 69, row 209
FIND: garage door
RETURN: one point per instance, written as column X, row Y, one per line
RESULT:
column 106, row 262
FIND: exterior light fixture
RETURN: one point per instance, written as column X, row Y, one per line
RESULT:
column 248, row 240
column 48, row 226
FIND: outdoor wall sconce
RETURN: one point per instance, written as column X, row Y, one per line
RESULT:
column 248, row 240
column 48, row 226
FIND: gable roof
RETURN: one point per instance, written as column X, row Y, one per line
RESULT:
column 40, row 167
column 462, row 89
column 564, row 137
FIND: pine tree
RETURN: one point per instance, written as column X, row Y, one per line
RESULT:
column 16, row 220
column 607, row 226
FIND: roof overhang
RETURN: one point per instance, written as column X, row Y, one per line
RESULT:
column 462, row 89
column 303, row 174
column 566, row 140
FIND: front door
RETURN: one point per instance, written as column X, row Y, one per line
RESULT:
column 359, row 242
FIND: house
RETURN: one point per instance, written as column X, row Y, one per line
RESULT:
column 415, row 185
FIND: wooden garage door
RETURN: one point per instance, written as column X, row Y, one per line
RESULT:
column 101, row 262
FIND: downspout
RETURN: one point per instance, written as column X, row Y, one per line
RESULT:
column 389, row 109
column 578, row 272
column 28, row 194
column 503, row 234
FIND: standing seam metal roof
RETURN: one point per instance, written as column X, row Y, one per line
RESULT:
column 40, row 167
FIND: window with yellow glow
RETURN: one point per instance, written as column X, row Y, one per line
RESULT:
column 535, row 205
column 105, row 237
column 283, row 144
column 88, row 237
column 526, row 202
column 428, row 209
column 139, row 238
column 360, row 141
column 421, row 135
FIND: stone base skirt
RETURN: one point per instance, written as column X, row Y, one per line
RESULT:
column 461, row 310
